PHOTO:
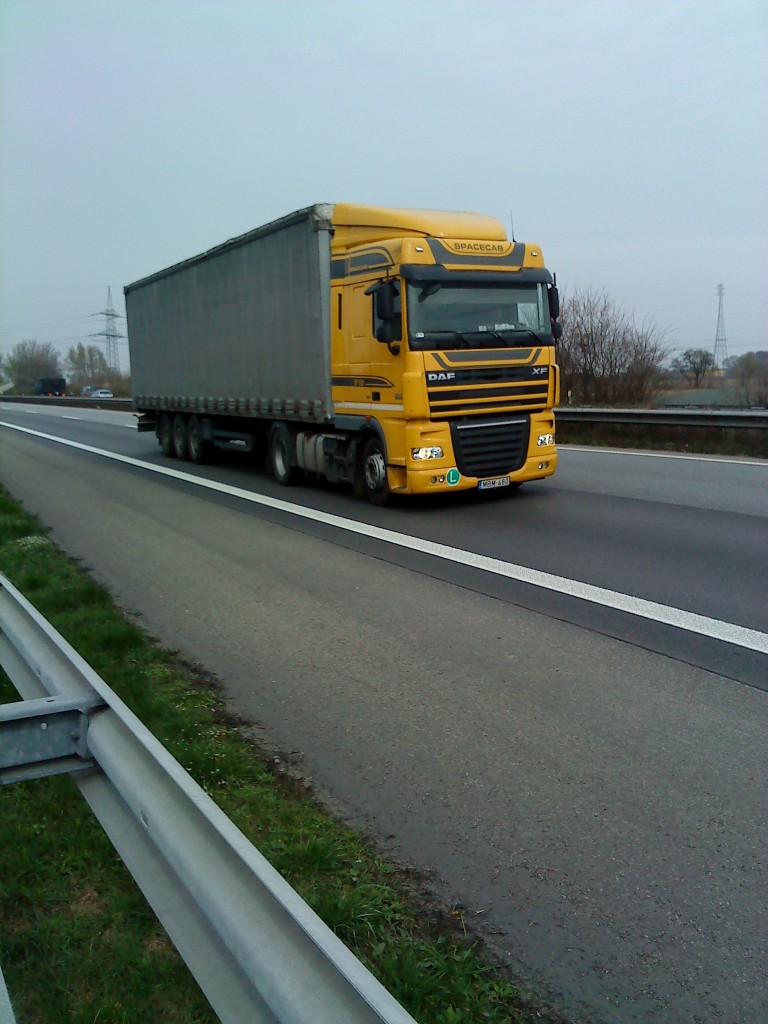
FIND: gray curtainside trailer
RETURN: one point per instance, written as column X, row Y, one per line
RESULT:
column 241, row 330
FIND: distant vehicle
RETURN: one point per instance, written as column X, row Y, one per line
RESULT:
column 51, row 386
column 101, row 393
column 88, row 390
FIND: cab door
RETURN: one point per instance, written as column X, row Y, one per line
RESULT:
column 368, row 377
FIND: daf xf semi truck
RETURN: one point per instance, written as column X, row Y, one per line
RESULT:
column 397, row 351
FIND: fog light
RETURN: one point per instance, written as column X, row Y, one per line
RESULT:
column 422, row 454
column 543, row 465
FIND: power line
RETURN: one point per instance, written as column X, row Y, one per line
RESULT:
column 50, row 323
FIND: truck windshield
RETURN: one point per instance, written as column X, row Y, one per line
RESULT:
column 468, row 314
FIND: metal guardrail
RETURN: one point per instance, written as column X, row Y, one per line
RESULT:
column 741, row 419
column 257, row 950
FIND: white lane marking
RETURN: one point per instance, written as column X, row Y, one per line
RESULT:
column 663, row 455
column 729, row 632
column 82, row 419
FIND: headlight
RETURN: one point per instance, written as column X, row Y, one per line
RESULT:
column 422, row 454
column 545, row 439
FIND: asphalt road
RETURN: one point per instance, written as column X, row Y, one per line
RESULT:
column 585, row 779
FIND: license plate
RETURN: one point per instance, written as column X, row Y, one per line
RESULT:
column 499, row 481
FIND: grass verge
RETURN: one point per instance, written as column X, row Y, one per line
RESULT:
column 79, row 943
column 727, row 441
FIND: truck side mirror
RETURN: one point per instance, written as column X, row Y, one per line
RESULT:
column 387, row 302
column 385, row 332
column 554, row 301
column 386, row 297
column 388, row 333
column 557, row 330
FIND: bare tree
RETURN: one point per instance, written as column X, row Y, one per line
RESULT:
column 750, row 374
column 30, row 360
column 605, row 357
column 694, row 364
column 86, row 365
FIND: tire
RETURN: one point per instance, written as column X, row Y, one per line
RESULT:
column 180, row 437
column 281, row 454
column 373, row 472
column 200, row 451
column 165, row 436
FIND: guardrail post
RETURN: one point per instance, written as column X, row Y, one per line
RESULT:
column 48, row 736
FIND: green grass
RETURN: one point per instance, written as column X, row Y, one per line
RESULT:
column 79, row 944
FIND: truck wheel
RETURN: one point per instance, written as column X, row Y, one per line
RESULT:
column 374, row 472
column 280, row 450
column 199, row 450
column 165, row 436
column 180, row 440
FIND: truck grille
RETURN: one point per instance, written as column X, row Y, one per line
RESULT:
column 487, row 389
column 494, row 447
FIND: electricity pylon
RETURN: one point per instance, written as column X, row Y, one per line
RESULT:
column 721, row 345
column 110, row 333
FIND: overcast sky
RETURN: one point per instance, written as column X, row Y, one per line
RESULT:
column 628, row 139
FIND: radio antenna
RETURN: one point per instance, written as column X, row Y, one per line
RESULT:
column 512, row 225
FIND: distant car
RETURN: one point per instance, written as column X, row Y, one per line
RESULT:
column 102, row 393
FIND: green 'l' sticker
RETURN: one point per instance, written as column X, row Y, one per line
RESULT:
column 453, row 476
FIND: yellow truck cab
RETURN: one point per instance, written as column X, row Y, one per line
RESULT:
column 443, row 335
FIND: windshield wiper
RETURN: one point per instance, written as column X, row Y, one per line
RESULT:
column 535, row 334
column 513, row 337
column 499, row 337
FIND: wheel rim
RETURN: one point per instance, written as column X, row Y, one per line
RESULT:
column 193, row 440
column 166, row 435
column 280, row 456
column 375, row 471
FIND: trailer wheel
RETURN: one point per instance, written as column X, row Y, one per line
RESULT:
column 199, row 450
column 374, row 472
column 280, row 451
column 165, row 436
column 180, row 438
